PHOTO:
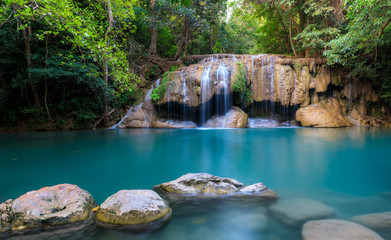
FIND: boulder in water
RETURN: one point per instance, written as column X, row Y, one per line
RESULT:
column 333, row 229
column 173, row 124
column 295, row 212
column 234, row 118
column 133, row 210
column 207, row 185
column 379, row 222
column 261, row 123
column 47, row 207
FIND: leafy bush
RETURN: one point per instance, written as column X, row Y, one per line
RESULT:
column 239, row 83
column 161, row 90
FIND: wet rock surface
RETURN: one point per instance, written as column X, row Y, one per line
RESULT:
column 295, row 212
column 337, row 230
column 260, row 123
column 235, row 118
column 133, row 210
column 47, row 207
column 379, row 222
column 205, row 184
column 173, row 124
column 324, row 114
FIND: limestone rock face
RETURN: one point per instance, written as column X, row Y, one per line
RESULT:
column 234, row 118
column 206, row 184
column 136, row 208
column 173, row 124
column 376, row 221
column 295, row 212
column 50, row 206
column 337, row 230
column 324, row 114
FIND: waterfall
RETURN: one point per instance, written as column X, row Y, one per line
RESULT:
column 271, row 69
column 205, row 94
column 184, row 90
column 223, row 82
column 127, row 115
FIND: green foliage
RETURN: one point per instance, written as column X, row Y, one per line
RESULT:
column 239, row 83
column 161, row 90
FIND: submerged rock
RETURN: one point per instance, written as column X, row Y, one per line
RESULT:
column 205, row 184
column 260, row 123
column 334, row 229
column 324, row 114
column 47, row 207
column 234, row 118
column 295, row 212
column 380, row 222
column 173, row 124
column 133, row 210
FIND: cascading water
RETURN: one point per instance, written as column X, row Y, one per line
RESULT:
column 184, row 91
column 223, row 82
column 205, row 94
column 202, row 91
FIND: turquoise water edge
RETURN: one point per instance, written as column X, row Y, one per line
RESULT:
column 347, row 169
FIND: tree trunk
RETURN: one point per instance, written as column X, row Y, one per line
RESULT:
column 153, row 46
column 212, row 40
column 290, row 38
column 26, row 35
column 182, row 41
column 46, row 81
column 105, row 61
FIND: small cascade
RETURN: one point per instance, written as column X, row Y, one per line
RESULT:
column 206, row 94
column 223, row 102
column 184, row 91
column 271, row 70
column 120, row 122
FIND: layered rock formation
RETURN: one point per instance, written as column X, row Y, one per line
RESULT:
column 274, row 87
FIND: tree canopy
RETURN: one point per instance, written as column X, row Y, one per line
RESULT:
column 79, row 60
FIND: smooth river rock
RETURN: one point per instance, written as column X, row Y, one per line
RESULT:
column 205, row 184
column 295, row 212
column 334, row 229
column 234, row 118
column 133, row 210
column 47, row 207
column 379, row 222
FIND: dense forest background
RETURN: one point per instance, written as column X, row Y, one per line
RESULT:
column 70, row 64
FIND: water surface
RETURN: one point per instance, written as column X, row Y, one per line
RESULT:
column 348, row 169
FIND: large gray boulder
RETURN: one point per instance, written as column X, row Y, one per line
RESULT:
column 205, row 184
column 333, row 229
column 133, row 210
column 47, row 207
column 379, row 222
column 297, row 211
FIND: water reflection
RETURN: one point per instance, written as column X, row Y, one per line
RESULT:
column 345, row 168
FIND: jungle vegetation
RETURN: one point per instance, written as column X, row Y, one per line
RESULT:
column 72, row 63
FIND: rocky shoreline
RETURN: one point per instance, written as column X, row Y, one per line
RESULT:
column 66, row 209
